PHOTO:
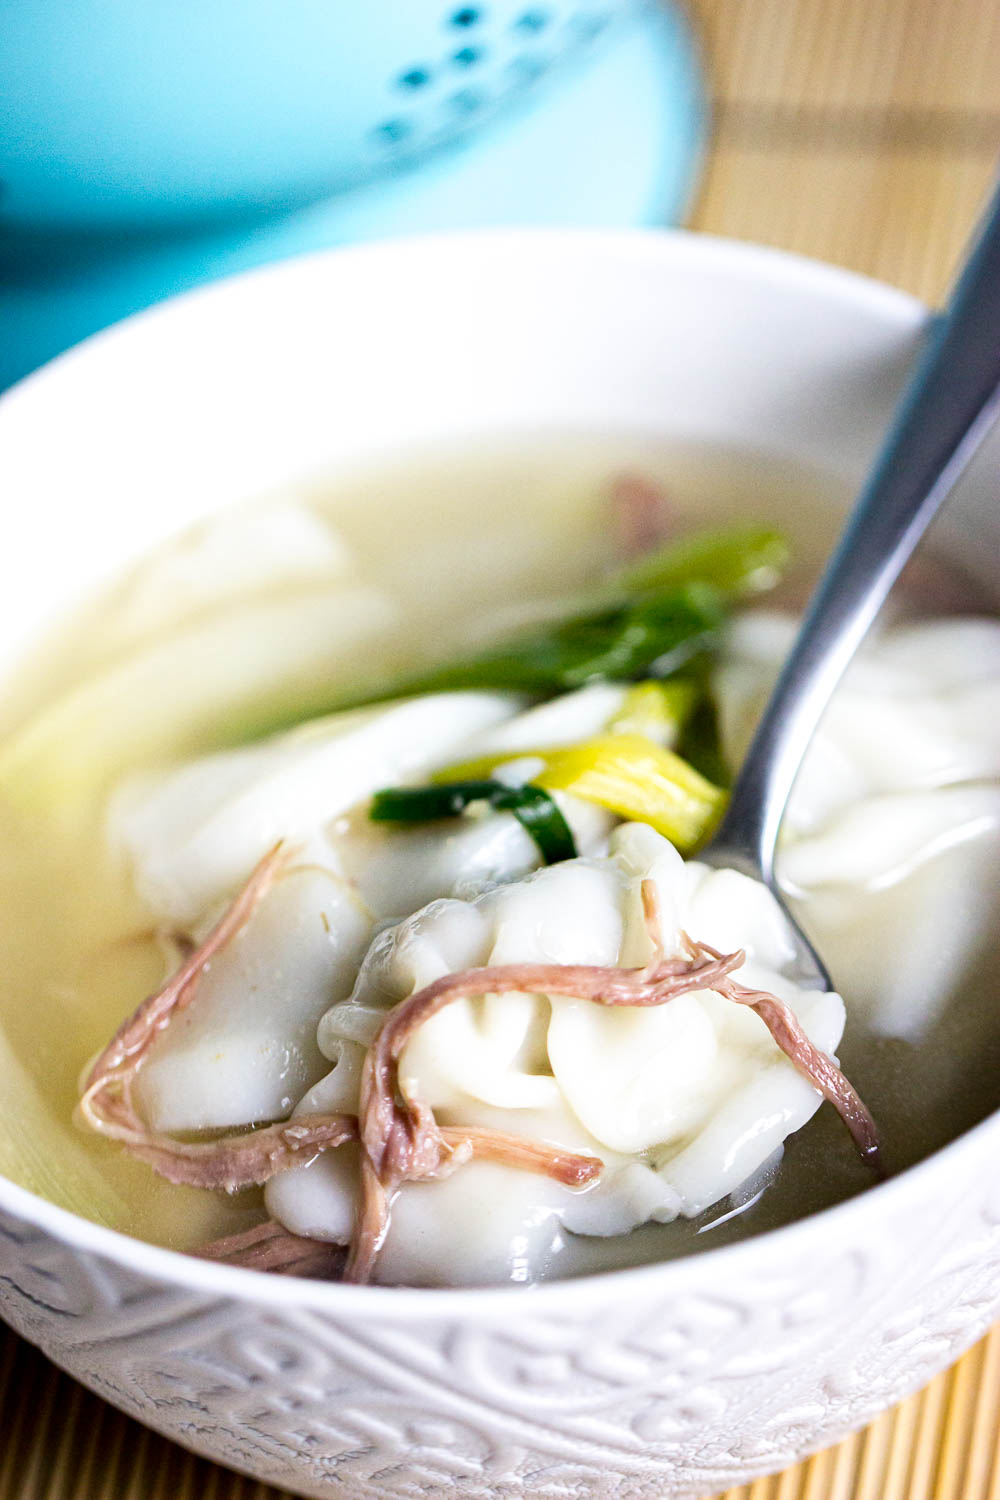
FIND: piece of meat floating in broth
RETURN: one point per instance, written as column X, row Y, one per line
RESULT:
column 641, row 513
column 268, row 1247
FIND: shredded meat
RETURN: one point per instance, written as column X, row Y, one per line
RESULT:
column 251, row 1158
column 400, row 1136
column 243, row 1159
column 821, row 1071
column 786, row 1029
column 400, row 1139
column 106, row 1103
column 230, row 1161
column 269, row 1247
column 641, row 513
column 516, row 1151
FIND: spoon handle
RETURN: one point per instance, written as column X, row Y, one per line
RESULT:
column 950, row 403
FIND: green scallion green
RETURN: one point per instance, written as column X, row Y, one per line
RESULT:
column 535, row 809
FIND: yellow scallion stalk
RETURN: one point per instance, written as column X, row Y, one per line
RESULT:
column 639, row 780
column 629, row 774
column 658, row 710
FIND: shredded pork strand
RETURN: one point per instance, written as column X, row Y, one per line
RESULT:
column 815, row 1065
column 400, row 1139
column 251, row 1158
column 243, row 1159
column 106, row 1103
column 270, row 1247
column 786, row 1029
column 230, row 1162
column 484, row 1144
column 641, row 513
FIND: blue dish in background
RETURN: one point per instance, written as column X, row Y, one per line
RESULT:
column 146, row 147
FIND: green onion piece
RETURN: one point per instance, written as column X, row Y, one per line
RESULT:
column 535, row 810
column 653, row 636
column 736, row 561
column 538, row 814
column 423, row 804
column 700, row 741
column 641, row 781
column 659, row 616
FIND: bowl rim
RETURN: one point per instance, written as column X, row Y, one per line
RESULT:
column 899, row 312
column 765, row 263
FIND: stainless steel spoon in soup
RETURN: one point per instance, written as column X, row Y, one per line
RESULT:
column 948, row 407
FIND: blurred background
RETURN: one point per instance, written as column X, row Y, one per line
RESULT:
column 149, row 145
column 146, row 146
column 864, row 132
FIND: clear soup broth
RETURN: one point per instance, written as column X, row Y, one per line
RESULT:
column 464, row 543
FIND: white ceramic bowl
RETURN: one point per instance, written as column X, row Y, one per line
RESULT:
column 663, row 1381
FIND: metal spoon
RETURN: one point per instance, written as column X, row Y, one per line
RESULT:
column 950, row 403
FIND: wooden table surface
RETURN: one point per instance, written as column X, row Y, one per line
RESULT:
column 863, row 132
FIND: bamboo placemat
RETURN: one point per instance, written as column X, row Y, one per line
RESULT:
column 863, row 132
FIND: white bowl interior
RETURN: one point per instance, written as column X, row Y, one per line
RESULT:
column 321, row 363
column 326, row 361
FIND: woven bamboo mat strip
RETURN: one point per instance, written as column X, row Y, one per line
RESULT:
column 863, row 132
column 860, row 131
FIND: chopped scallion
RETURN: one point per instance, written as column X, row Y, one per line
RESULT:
column 536, row 810
column 653, row 636
column 737, row 561
column 640, row 780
